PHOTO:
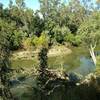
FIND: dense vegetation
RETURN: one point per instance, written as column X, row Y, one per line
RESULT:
column 76, row 23
column 58, row 21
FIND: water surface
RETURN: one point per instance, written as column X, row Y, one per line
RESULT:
column 78, row 61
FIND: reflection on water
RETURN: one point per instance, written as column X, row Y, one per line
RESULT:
column 85, row 67
column 79, row 61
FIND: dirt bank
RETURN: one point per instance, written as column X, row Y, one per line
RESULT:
column 54, row 51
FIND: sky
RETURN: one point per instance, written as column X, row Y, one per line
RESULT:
column 33, row 4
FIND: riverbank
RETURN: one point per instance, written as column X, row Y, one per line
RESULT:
column 77, row 60
column 30, row 54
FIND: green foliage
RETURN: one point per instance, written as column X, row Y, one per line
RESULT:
column 16, row 40
column 89, row 29
column 77, row 40
column 69, row 37
column 40, row 41
column 4, row 43
column 60, row 32
column 74, row 40
column 20, row 26
column 5, row 92
column 97, row 71
column 37, row 25
column 20, row 3
column 27, row 43
column 54, row 16
column 76, row 14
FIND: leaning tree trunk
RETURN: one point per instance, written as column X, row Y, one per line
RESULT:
column 91, row 50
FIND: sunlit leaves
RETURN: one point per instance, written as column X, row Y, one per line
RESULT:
column 41, row 41
column 90, row 29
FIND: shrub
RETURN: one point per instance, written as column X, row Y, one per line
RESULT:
column 40, row 41
column 60, row 32
column 16, row 40
column 27, row 43
column 74, row 40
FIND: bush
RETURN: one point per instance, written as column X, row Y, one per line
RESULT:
column 40, row 41
column 74, row 40
column 60, row 32
column 16, row 40
column 27, row 43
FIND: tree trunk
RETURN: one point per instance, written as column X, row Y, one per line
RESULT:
column 91, row 50
column 43, row 64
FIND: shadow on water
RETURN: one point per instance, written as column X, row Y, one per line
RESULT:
column 78, row 61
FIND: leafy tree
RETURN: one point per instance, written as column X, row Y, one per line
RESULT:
column 28, row 21
column 41, row 41
column 89, row 33
column 37, row 24
column 55, row 18
column 76, row 13
column 49, row 8
column 4, row 61
column 27, row 43
column 10, row 4
column 60, row 33
column 72, row 39
column 16, row 40
column 20, row 3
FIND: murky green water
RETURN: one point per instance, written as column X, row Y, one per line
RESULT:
column 78, row 61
